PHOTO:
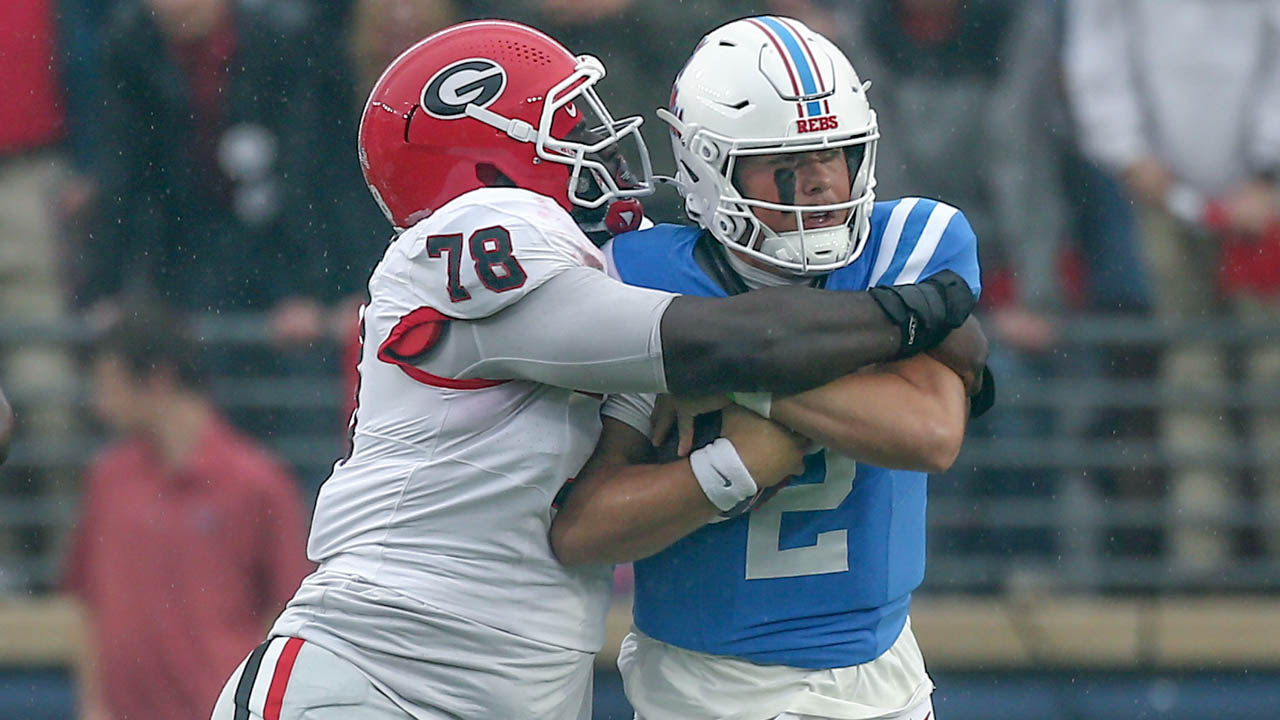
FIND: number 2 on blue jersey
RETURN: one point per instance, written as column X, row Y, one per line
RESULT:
column 830, row 551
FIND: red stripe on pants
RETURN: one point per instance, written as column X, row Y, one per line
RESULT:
column 280, row 679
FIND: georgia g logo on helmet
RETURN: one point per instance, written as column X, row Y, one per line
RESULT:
column 474, row 81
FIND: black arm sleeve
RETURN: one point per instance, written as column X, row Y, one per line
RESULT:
column 793, row 339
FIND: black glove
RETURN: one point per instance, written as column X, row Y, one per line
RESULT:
column 981, row 401
column 926, row 311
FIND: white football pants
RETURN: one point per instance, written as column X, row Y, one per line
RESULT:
column 290, row 679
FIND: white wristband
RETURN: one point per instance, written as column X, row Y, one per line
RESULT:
column 760, row 403
column 724, row 479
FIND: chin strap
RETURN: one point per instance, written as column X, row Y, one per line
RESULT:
column 518, row 130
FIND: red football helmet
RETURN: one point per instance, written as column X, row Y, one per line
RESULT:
column 486, row 100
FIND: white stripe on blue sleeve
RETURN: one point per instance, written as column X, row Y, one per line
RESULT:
column 927, row 244
column 889, row 240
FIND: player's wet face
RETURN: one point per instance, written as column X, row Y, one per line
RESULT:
column 821, row 177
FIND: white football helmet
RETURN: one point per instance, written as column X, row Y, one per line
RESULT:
column 761, row 86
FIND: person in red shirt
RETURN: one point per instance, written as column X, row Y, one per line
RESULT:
column 190, row 538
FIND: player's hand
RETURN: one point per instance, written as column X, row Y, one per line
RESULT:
column 770, row 451
column 679, row 411
column 965, row 351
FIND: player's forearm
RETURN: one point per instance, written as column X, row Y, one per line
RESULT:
column 779, row 342
column 910, row 416
column 618, row 514
column 795, row 339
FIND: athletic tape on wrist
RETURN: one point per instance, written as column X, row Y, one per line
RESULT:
column 760, row 403
column 724, row 479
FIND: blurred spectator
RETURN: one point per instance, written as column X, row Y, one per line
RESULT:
column 80, row 24
column 961, row 91
column 1181, row 99
column 32, row 294
column 643, row 44
column 190, row 538
column 220, row 188
column 217, row 189
column 1104, row 274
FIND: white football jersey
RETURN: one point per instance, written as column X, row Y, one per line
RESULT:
column 446, row 497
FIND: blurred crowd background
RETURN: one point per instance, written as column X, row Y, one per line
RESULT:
column 1118, row 159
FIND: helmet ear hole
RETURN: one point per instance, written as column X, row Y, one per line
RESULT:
column 708, row 152
column 490, row 176
column 726, row 226
column 693, row 176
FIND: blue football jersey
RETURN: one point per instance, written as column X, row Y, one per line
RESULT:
column 820, row 576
